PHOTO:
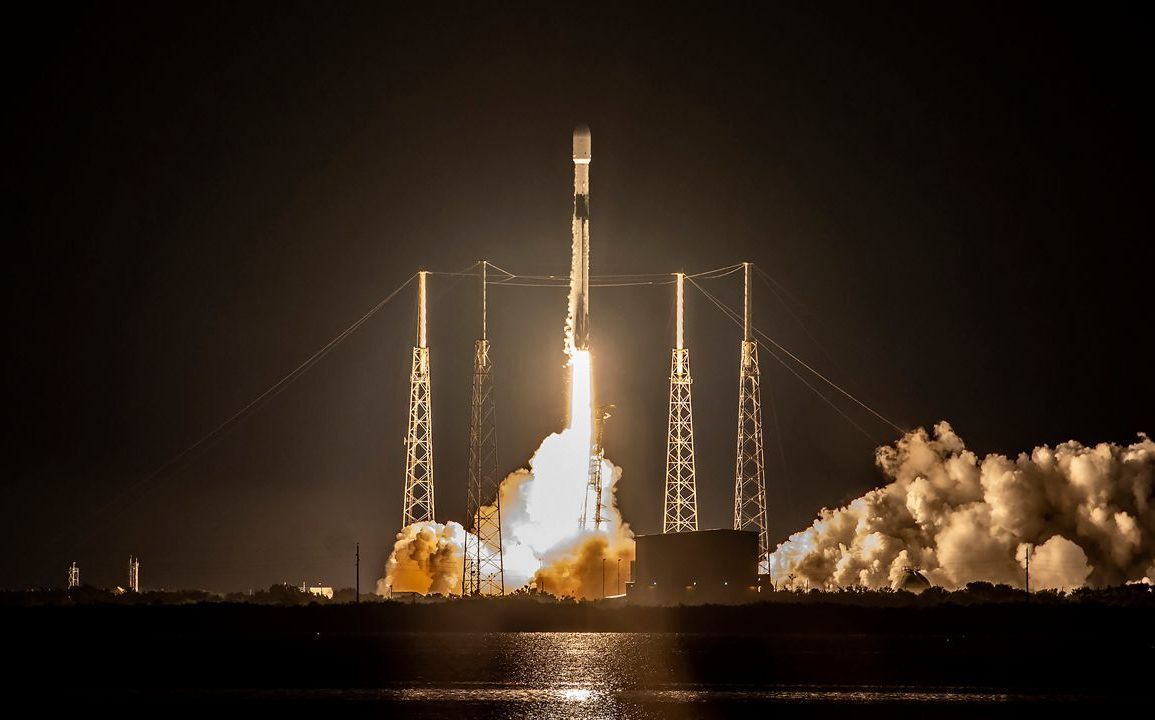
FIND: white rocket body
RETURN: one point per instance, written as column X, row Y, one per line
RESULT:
column 580, row 267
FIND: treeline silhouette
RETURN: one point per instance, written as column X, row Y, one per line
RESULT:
column 120, row 647
column 976, row 593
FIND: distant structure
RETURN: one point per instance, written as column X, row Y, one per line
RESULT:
column 73, row 576
column 912, row 581
column 749, row 472
column 680, row 509
column 483, row 571
column 323, row 591
column 418, row 505
column 133, row 574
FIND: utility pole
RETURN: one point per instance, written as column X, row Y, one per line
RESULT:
column 750, row 474
column 357, row 563
column 1028, row 571
column 619, row 583
column 603, row 578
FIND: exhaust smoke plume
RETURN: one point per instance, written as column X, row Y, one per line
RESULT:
column 427, row 558
column 1085, row 514
column 543, row 545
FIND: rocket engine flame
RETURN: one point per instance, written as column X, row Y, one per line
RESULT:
column 1085, row 514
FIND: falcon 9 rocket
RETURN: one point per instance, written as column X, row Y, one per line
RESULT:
column 579, row 311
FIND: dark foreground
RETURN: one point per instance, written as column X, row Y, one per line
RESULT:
column 525, row 659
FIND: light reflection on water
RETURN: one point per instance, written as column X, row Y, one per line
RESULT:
column 584, row 695
column 607, row 675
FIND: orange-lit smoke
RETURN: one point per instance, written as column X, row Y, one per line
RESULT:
column 1087, row 515
column 541, row 506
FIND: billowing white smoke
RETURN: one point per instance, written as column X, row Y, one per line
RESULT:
column 540, row 509
column 1086, row 515
column 427, row 558
column 543, row 542
column 541, row 506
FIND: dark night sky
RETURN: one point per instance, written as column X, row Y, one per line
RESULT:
column 956, row 195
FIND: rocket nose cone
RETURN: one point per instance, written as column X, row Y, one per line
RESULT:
column 581, row 143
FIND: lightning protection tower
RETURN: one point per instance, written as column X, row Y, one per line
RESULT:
column 133, row 574
column 418, row 505
column 749, row 473
column 680, row 512
column 483, row 572
column 73, row 576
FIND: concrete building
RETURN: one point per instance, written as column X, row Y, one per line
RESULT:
column 695, row 568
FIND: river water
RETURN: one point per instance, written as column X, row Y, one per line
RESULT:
column 560, row 675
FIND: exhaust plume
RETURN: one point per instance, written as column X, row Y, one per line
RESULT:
column 1085, row 514
column 543, row 545
column 427, row 558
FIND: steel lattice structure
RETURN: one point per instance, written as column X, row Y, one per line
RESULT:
column 681, row 504
column 419, row 505
column 680, row 509
column 133, row 574
column 594, row 487
column 483, row 571
column 749, row 472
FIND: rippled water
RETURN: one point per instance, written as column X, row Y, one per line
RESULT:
column 626, row 675
column 556, row 675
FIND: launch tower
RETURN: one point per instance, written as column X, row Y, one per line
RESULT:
column 418, row 506
column 133, row 574
column 483, row 572
column 749, row 473
column 680, row 510
column 594, row 496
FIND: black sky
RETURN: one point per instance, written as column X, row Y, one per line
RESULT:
column 956, row 195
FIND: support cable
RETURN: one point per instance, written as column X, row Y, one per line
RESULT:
column 737, row 319
column 233, row 420
column 825, row 379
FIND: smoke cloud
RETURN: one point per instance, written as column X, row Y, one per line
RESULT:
column 427, row 558
column 542, row 543
column 1086, row 515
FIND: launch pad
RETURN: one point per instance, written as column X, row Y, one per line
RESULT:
column 576, row 463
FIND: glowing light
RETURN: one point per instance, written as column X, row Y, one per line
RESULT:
column 577, row 694
column 581, row 409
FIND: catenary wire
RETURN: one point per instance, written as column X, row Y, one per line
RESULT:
column 737, row 319
column 233, row 420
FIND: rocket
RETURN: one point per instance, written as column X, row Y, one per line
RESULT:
column 580, row 266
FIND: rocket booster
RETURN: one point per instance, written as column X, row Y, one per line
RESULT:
column 580, row 267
